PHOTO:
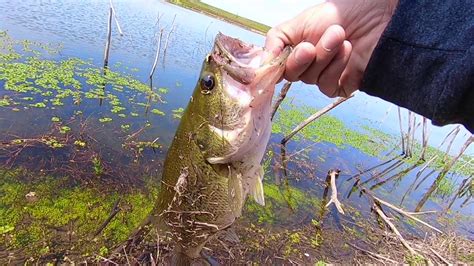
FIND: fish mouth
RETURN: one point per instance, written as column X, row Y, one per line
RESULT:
column 245, row 62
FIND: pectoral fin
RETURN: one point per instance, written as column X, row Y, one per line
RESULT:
column 236, row 194
column 256, row 189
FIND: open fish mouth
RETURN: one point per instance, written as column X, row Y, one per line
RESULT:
column 243, row 62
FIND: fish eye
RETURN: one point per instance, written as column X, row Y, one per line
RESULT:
column 207, row 82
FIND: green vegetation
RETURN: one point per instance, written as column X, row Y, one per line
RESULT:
column 26, row 74
column 329, row 129
column 178, row 113
column 279, row 200
column 222, row 14
column 370, row 141
column 157, row 112
column 48, row 215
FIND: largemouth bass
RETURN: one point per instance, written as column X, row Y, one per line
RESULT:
column 214, row 160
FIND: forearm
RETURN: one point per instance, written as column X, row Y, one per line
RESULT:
column 424, row 61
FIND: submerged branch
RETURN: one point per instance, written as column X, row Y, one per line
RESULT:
column 332, row 175
column 281, row 97
column 407, row 214
column 113, row 212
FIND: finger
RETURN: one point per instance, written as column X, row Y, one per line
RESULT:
column 275, row 41
column 351, row 77
column 329, row 79
column 326, row 48
column 299, row 60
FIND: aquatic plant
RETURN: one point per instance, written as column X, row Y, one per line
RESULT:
column 63, row 217
column 27, row 74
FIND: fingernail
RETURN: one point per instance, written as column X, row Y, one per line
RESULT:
column 330, row 42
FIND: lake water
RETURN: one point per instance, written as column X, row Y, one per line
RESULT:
column 124, row 149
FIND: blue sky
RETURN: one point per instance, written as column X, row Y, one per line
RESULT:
column 270, row 12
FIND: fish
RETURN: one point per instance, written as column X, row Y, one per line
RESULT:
column 214, row 161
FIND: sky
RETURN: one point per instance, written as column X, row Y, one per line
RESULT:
column 269, row 12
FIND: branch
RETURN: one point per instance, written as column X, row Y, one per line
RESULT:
column 281, row 97
column 372, row 254
column 167, row 39
column 332, row 174
column 440, row 257
column 109, row 39
column 407, row 214
column 394, row 229
column 157, row 56
column 314, row 117
column 113, row 212
column 115, row 18
column 401, row 130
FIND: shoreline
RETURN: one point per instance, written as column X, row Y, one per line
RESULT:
column 223, row 15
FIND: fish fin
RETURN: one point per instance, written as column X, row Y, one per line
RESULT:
column 228, row 235
column 257, row 189
column 216, row 160
column 236, row 194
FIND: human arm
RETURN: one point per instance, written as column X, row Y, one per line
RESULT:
column 423, row 61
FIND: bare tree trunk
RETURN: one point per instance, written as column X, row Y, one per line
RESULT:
column 109, row 40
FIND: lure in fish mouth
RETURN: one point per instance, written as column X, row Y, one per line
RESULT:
column 214, row 160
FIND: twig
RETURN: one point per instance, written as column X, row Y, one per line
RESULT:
column 407, row 147
column 421, row 213
column 281, row 96
column 126, row 256
column 333, row 174
column 167, row 39
column 157, row 56
column 115, row 18
column 372, row 253
column 107, row 260
column 447, row 135
column 401, row 130
column 451, row 143
column 313, row 117
column 425, row 138
column 394, row 229
column 402, row 212
column 440, row 257
column 113, row 212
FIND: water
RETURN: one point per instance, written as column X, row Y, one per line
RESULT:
column 122, row 158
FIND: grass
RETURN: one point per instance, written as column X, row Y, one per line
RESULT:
column 222, row 14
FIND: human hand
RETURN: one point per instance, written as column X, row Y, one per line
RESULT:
column 332, row 43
